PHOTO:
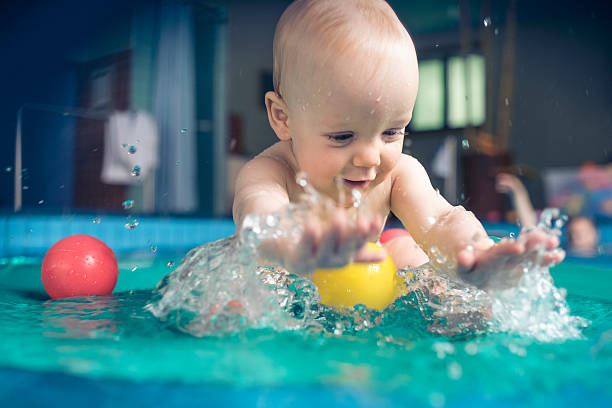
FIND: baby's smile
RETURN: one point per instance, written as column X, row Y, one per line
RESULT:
column 358, row 184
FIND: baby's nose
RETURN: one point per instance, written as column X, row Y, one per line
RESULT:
column 367, row 156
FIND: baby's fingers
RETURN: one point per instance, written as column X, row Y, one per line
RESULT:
column 553, row 257
column 367, row 255
column 553, row 242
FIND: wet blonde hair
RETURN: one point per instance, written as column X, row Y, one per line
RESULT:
column 314, row 33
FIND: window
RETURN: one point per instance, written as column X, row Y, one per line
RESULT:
column 451, row 93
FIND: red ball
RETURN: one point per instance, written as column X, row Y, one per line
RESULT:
column 79, row 265
column 392, row 233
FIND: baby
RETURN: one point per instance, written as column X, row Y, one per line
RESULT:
column 345, row 83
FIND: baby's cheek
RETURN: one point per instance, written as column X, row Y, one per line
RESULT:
column 390, row 158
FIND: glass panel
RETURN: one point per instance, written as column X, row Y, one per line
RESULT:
column 466, row 91
column 429, row 109
column 477, row 97
column 457, row 93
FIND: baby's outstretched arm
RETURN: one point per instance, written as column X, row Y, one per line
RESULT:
column 454, row 238
column 329, row 240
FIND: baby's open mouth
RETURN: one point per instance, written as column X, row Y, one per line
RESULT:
column 360, row 184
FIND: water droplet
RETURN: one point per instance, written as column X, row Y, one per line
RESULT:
column 506, row 101
column 178, row 162
column 96, row 220
column 356, row 195
column 372, row 111
column 124, row 145
column 301, row 179
column 8, row 169
column 465, row 144
column 379, row 98
column 26, row 187
column 134, row 268
column 153, row 248
column 132, row 150
column 454, row 370
column 41, row 202
column 471, row 348
column 136, row 171
column 437, row 400
column 272, row 221
column 170, row 264
column 512, row 235
column 131, row 224
column 127, row 204
column 496, row 31
column 437, row 45
column 61, row 187
column 431, row 220
column 486, row 21
column 184, row 131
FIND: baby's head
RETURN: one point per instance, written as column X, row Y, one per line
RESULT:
column 316, row 38
column 345, row 70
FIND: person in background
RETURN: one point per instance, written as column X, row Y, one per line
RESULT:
column 582, row 234
column 511, row 185
column 582, row 237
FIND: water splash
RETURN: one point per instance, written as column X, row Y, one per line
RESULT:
column 219, row 288
column 536, row 307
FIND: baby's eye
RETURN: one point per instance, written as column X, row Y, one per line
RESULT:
column 340, row 138
column 394, row 133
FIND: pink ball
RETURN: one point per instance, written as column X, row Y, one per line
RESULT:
column 392, row 233
column 79, row 265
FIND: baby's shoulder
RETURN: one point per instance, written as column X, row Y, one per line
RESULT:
column 275, row 163
column 407, row 166
column 278, row 157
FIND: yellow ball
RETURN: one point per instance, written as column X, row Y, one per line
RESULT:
column 375, row 285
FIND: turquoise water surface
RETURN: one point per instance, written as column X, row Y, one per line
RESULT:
column 114, row 339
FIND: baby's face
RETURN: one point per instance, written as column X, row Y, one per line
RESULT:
column 347, row 123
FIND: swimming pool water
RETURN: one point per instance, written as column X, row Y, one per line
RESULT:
column 109, row 346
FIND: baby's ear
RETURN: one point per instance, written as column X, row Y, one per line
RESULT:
column 278, row 115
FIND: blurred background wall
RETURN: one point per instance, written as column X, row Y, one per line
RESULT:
column 545, row 71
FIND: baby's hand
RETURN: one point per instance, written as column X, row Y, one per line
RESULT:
column 328, row 243
column 501, row 266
